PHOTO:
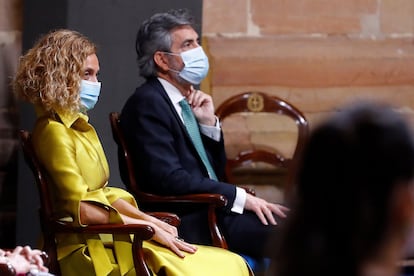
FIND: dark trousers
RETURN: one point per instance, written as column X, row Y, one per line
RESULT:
column 244, row 233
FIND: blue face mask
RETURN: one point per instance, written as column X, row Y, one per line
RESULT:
column 195, row 65
column 89, row 93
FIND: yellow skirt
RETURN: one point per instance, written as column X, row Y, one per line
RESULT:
column 206, row 261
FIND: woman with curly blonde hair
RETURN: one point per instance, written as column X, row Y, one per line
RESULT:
column 50, row 73
column 59, row 77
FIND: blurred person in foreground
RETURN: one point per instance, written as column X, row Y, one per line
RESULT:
column 354, row 199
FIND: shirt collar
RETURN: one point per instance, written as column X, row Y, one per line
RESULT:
column 173, row 93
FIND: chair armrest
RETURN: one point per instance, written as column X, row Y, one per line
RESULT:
column 143, row 232
column 214, row 199
column 167, row 217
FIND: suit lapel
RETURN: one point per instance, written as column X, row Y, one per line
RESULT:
column 160, row 89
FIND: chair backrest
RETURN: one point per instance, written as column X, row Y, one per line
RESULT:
column 127, row 170
column 126, row 166
column 51, row 225
column 45, row 210
column 259, row 102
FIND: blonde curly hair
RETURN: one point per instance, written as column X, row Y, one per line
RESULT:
column 49, row 74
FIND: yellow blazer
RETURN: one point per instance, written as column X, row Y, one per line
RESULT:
column 70, row 150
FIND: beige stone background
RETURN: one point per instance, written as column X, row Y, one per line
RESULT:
column 317, row 54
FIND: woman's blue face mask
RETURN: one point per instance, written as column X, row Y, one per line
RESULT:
column 89, row 93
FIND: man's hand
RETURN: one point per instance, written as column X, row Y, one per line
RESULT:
column 202, row 106
column 265, row 210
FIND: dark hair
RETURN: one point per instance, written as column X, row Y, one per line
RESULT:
column 348, row 172
column 154, row 35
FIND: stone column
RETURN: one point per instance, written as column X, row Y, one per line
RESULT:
column 10, row 48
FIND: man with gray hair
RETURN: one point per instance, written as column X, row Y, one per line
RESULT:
column 176, row 141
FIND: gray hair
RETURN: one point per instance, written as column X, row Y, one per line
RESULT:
column 154, row 35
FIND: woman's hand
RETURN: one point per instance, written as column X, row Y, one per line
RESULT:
column 165, row 226
column 172, row 242
column 165, row 234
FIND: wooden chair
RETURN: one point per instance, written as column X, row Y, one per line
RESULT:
column 213, row 201
column 259, row 102
column 7, row 270
column 51, row 226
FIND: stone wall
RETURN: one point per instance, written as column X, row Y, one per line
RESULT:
column 10, row 48
column 317, row 54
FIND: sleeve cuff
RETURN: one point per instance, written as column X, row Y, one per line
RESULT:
column 214, row 132
column 239, row 201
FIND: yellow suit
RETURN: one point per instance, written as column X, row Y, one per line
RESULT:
column 71, row 152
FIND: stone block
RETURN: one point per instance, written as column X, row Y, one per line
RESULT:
column 8, row 149
column 8, row 121
column 11, row 15
column 228, row 16
column 325, row 100
column 311, row 16
column 248, row 130
column 283, row 142
column 221, row 93
column 270, row 122
column 311, row 62
column 10, row 50
column 397, row 16
column 236, row 134
column 234, row 122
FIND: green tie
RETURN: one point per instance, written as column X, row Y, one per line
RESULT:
column 192, row 129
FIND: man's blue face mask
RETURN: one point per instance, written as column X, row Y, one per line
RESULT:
column 89, row 93
column 195, row 65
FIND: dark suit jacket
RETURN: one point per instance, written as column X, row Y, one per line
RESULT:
column 166, row 161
